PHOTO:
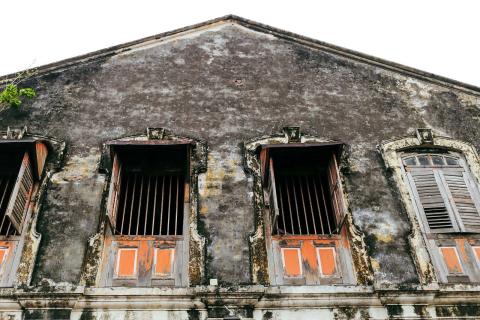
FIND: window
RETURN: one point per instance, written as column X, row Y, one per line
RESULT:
column 18, row 174
column 303, row 190
column 21, row 167
column 147, row 191
column 305, row 214
column 447, row 203
column 147, row 208
column 444, row 192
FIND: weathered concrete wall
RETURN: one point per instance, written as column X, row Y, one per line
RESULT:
column 228, row 84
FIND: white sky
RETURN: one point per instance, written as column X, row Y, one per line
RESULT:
column 441, row 37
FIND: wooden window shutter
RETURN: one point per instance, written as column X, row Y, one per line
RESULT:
column 336, row 191
column 462, row 201
column 41, row 152
column 113, row 193
column 431, row 201
column 20, row 197
column 272, row 196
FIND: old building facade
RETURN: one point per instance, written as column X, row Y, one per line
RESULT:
column 231, row 170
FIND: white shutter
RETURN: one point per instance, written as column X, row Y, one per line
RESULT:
column 431, row 201
column 461, row 199
column 20, row 197
column 113, row 193
column 272, row 196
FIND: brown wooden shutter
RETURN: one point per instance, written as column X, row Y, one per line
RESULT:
column 462, row 201
column 272, row 196
column 41, row 152
column 113, row 193
column 20, row 197
column 264, row 163
column 431, row 201
column 336, row 191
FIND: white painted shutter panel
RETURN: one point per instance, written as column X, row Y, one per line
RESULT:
column 273, row 201
column 113, row 193
column 462, row 201
column 431, row 201
column 20, row 197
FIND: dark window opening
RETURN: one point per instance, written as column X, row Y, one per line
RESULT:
column 10, row 165
column 303, row 190
column 151, row 192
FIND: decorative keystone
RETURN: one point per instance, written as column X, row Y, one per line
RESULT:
column 292, row 134
column 425, row 136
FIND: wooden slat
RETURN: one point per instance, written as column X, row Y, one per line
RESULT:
column 20, row 197
column 42, row 152
column 462, row 200
column 114, row 191
column 432, row 201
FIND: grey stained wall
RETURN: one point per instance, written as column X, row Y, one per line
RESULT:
column 228, row 84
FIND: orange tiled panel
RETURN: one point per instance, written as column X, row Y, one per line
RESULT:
column 450, row 256
column 3, row 256
column 164, row 261
column 126, row 262
column 291, row 262
column 326, row 261
column 477, row 253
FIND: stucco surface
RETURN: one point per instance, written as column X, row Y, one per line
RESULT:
column 225, row 85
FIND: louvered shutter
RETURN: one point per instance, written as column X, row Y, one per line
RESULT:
column 431, row 202
column 41, row 153
column 462, row 201
column 20, row 197
column 336, row 191
column 272, row 196
column 113, row 193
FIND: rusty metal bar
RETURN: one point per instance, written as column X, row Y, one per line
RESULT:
column 307, row 179
column 154, row 205
column 318, row 205
column 303, row 203
column 124, row 204
column 169, row 204
column 146, row 208
column 281, row 208
column 161, row 206
column 289, row 206
column 176, row 206
column 296, row 205
column 326, row 209
column 131, row 204
column 139, row 205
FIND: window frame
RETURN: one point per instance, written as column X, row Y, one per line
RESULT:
column 115, row 187
column 335, row 188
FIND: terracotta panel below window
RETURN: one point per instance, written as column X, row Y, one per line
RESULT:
column 3, row 256
column 452, row 262
column 326, row 257
column 126, row 262
column 164, row 261
column 291, row 262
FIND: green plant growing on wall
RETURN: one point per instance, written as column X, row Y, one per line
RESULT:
column 11, row 96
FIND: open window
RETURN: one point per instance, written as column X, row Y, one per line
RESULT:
column 147, row 209
column 21, row 167
column 305, row 209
